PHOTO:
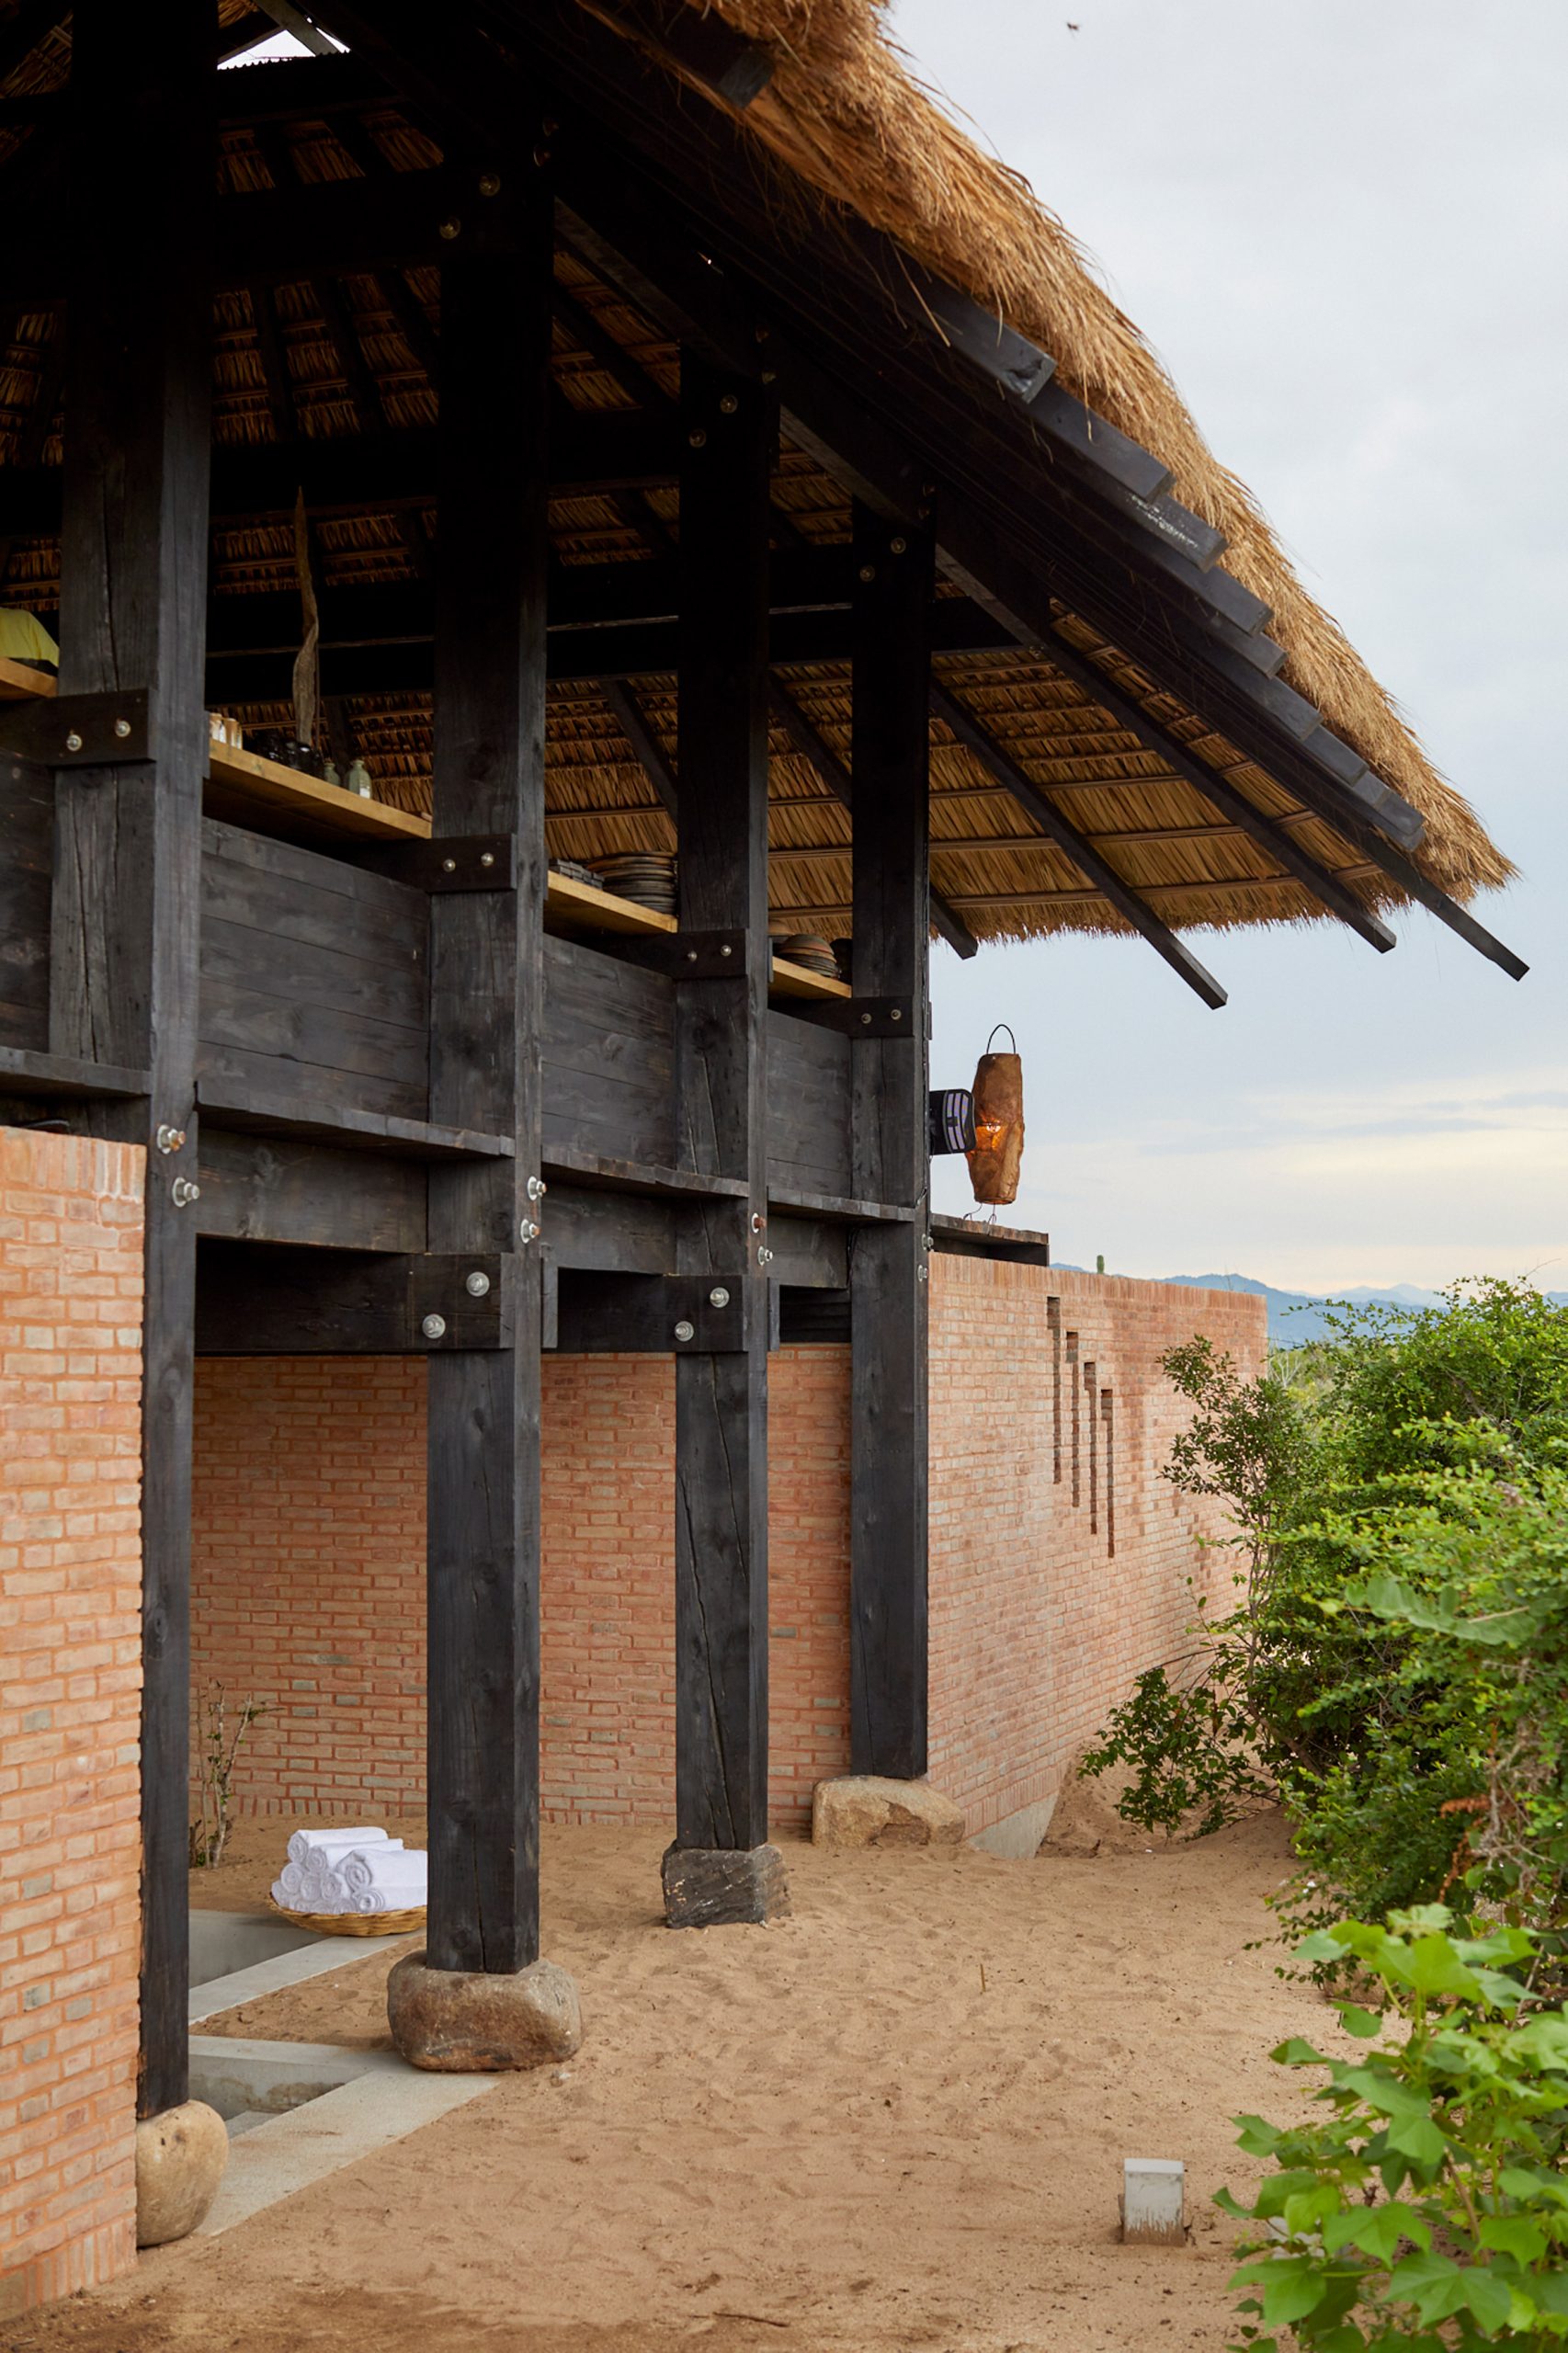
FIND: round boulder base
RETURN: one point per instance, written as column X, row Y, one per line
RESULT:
column 180, row 2160
column 863, row 1810
column 464, row 2022
column 716, row 1887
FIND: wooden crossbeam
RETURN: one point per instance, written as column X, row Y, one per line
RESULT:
column 1082, row 851
column 1220, row 793
column 31, row 23
column 814, row 746
column 633, row 723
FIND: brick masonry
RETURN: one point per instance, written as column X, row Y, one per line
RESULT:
column 70, row 1638
column 310, row 1543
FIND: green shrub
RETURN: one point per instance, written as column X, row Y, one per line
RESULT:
column 1404, row 1484
column 1427, row 2208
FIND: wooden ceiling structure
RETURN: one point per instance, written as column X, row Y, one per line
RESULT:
column 652, row 499
column 1113, row 745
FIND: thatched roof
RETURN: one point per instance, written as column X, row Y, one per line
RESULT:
column 844, row 130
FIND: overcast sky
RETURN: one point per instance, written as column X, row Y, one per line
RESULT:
column 1343, row 225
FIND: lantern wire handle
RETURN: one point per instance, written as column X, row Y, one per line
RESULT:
column 1011, row 1039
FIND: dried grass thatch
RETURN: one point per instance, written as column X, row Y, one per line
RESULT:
column 846, row 119
column 845, row 113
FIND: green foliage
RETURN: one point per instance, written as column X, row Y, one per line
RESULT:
column 1396, row 1662
column 1187, row 1747
column 1426, row 2208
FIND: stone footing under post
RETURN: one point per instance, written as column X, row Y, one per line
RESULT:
column 181, row 2156
column 464, row 2022
column 708, row 1887
column 864, row 1810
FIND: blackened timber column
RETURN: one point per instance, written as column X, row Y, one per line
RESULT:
column 721, row 1866
column 125, row 921
column 480, row 1996
column 889, row 1265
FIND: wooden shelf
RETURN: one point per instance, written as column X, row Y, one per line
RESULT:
column 246, row 778
column 581, row 905
column 18, row 681
column 24, row 1072
column 796, row 979
column 567, row 1162
column 252, row 1110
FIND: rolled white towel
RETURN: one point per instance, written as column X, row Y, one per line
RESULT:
column 332, row 1833
column 291, row 1882
column 412, row 1898
column 390, row 1883
column 357, row 1868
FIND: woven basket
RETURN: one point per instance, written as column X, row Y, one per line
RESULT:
column 353, row 1924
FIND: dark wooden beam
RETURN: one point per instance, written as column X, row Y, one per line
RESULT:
column 486, row 1007
column 1031, row 798
column 593, row 452
column 814, row 745
column 730, row 435
column 289, row 20
column 256, row 1299
column 701, row 45
column 1268, row 832
column 632, row 722
column 123, row 962
column 888, row 1083
column 364, row 393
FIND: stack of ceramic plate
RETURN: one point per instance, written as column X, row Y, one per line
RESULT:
column 575, row 871
column 810, row 950
column 646, row 877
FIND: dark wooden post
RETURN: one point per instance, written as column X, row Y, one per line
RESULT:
column 889, row 1267
column 721, row 1867
column 486, row 988
column 126, row 917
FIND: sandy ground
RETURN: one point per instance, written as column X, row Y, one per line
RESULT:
column 893, row 2122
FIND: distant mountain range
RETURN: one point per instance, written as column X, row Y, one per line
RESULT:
column 1296, row 1315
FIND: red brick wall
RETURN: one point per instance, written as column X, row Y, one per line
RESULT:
column 1038, row 1625
column 310, row 1548
column 310, row 1594
column 69, row 1637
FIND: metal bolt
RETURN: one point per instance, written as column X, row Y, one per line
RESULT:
column 930, row 1241
column 169, row 1138
column 450, row 229
column 757, row 1220
column 765, row 1255
column 921, row 1272
column 770, row 375
column 717, row 1296
column 489, row 184
column 527, row 1231
column 72, row 742
column 898, row 547
column 476, row 1284
column 448, row 866
column 685, row 1331
column 896, row 1014
column 867, row 572
column 865, row 1021
column 699, row 439
column 182, row 1192
column 728, row 404
column 541, row 156
column 434, row 1327
column 726, row 950
column 537, row 1188
column 123, row 728
column 691, row 955
column 488, row 858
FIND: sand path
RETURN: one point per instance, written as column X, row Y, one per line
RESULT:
column 895, row 2121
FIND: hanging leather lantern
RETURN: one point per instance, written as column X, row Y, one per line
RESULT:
column 996, row 1161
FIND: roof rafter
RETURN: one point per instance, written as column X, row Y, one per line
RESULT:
column 1079, row 848
column 814, row 746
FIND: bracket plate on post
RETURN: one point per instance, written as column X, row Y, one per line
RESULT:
column 661, row 1314
column 443, row 1290
column 879, row 1017
column 461, row 862
column 705, row 956
column 79, row 731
